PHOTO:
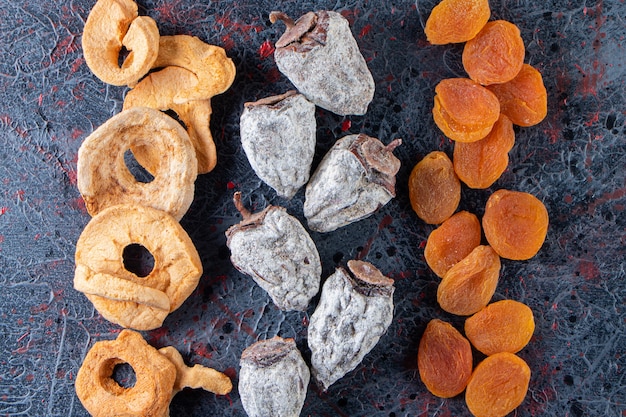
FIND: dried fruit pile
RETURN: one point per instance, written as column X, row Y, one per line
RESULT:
column 478, row 114
column 128, row 212
column 357, row 176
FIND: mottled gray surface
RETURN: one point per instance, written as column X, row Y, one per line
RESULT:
column 273, row 379
column 279, row 141
column 346, row 325
column 332, row 75
column 278, row 253
column 573, row 161
column 341, row 190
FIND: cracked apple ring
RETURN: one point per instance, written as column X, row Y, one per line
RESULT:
column 102, row 396
column 120, row 295
column 104, row 179
column 112, row 25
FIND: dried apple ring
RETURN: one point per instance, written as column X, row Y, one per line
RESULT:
column 102, row 396
column 214, row 70
column 195, row 114
column 104, row 180
column 111, row 25
column 121, row 296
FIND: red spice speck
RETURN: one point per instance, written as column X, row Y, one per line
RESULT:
column 230, row 185
column 3, row 210
column 365, row 31
column 266, row 49
column 346, row 125
column 589, row 270
column 201, row 350
column 76, row 64
column 568, row 199
column 273, row 75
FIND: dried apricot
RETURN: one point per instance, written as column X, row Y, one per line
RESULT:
column 455, row 21
column 434, row 189
column 498, row 385
column 503, row 326
column 515, row 224
column 479, row 164
column 496, row 54
column 469, row 285
column 523, row 99
column 464, row 110
column 444, row 359
column 452, row 241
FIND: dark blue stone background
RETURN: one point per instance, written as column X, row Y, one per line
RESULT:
column 573, row 161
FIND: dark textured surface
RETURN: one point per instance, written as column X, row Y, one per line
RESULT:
column 573, row 161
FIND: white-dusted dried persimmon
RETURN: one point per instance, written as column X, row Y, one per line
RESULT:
column 120, row 295
column 104, row 179
column 111, row 26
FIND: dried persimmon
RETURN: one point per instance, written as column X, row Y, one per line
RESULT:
column 469, row 285
column 479, row 164
column 452, row 241
column 498, row 385
column 523, row 99
column 434, row 189
column 464, row 110
column 503, row 326
column 496, row 54
column 455, row 21
column 515, row 224
column 444, row 359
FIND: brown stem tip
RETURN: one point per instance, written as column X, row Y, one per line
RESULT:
column 393, row 145
column 275, row 16
column 245, row 213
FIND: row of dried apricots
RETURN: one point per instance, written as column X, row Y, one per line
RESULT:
column 478, row 113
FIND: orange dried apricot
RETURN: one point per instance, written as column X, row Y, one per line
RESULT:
column 455, row 21
column 469, row 285
column 464, row 110
column 523, row 99
column 503, row 326
column 496, row 54
column 434, row 189
column 515, row 224
column 452, row 241
column 479, row 164
column 444, row 359
column 498, row 385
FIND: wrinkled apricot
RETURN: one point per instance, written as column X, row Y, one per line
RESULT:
column 444, row 359
column 479, row 164
column 469, row 285
column 503, row 326
column 523, row 99
column 455, row 21
column 434, row 189
column 452, row 241
column 498, row 385
column 464, row 110
column 496, row 54
column 515, row 224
